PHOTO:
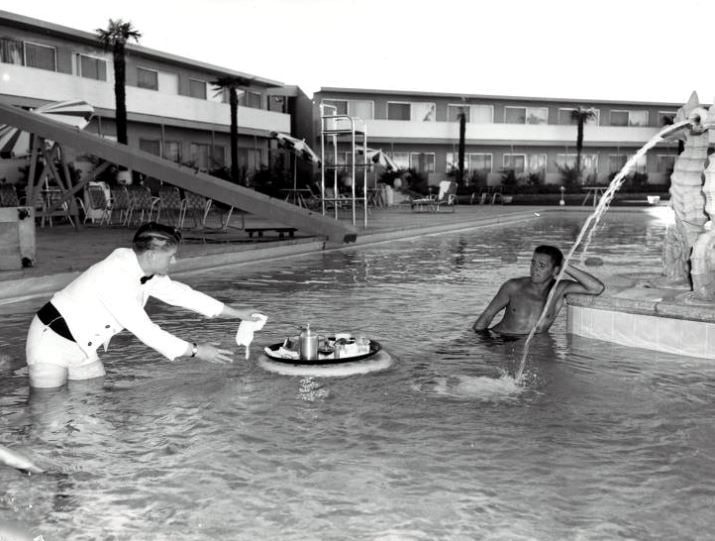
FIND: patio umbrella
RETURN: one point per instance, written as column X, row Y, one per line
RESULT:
column 378, row 157
column 298, row 147
column 15, row 143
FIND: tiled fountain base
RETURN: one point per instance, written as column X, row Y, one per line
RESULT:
column 635, row 312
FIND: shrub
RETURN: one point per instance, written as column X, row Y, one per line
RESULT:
column 570, row 176
column 509, row 181
column 416, row 181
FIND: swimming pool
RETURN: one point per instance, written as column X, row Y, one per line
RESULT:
column 605, row 442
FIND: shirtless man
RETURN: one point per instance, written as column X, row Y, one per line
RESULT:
column 523, row 299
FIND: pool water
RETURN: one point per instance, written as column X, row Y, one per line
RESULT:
column 603, row 441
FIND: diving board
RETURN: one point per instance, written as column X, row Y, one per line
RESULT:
column 184, row 177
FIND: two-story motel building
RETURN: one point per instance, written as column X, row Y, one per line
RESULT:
column 421, row 130
column 173, row 109
column 174, row 112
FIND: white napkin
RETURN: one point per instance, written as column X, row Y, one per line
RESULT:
column 244, row 334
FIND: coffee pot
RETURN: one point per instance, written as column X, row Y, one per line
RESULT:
column 308, row 344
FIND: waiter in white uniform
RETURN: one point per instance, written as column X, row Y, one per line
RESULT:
column 110, row 296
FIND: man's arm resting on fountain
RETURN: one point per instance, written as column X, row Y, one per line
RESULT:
column 583, row 282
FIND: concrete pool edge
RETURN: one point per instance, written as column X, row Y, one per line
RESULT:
column 639, row 314
column 25, row 288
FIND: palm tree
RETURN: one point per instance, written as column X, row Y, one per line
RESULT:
column 232, row 83
column 580, row 116
column 114, row 38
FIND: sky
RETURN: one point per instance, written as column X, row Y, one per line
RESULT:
column 629, row 50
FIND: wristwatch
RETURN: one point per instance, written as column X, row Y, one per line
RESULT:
column 194, row 349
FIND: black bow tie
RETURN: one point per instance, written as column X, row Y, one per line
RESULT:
column 145, row 279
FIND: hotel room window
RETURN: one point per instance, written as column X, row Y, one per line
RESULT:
column 218, row 156
column 537, row 115
column 250, row 99
column 641, row 166
column 423, row 111
column 152, row 146
column 251, row 158
column 11, row 51
column 362, row 109
column 40, row 56
column 422, row 161
column 517, row 162
column 401, row 159
column 90, row 67
column 629, row 118
column 147, row 78
column 536, row 163
column 481, row 114
column 398, row 110
column 665, row 163
column 665, row 118
column 172, row 151
column 341, row 106
column 197, row 89
column 474, row 161
column 526, row 115
column 199, row 154
column 589, row 162
column 453, row 112
column 515, row 115
column 480, row 162
column 616, row 162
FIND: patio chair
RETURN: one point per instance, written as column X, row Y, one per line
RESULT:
column 121, row 206
column 198, row 207
column 143, row 204
column 170, row 206
column 446, row 196
column 96, row 206
column 332, row 200
column 8, row 196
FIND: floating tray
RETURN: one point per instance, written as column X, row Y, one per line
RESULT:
column 272, row 353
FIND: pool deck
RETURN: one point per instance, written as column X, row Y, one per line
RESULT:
column 63, row 252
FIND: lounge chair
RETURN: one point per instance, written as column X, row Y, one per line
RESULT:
column 447, row 196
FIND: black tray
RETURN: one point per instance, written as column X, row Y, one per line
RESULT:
column 375, row 347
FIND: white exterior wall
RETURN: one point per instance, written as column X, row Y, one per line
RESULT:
column 509, row 133
column 53, row 86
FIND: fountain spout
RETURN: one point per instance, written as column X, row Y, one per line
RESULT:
column 674, row 129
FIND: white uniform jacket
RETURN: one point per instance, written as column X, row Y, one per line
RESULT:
column 109, row 297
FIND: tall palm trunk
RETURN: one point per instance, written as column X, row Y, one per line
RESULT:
column 462, row 132
column 120, row 92
column 579, row 143
column 233, row 105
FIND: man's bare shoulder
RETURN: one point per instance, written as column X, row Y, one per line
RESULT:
column 515, row 284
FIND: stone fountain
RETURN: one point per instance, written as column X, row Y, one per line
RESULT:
column 670, row 309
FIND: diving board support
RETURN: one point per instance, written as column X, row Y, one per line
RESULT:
column 183, row 177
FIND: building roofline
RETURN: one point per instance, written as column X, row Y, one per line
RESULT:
column 88, row 37
column 575, row 101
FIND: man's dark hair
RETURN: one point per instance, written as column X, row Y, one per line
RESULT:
column 557, row 258
column 154, row 236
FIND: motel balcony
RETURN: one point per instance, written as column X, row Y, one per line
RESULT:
column 392, row 131
column 142, row 104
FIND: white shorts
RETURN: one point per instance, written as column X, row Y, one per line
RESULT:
column 45, row 346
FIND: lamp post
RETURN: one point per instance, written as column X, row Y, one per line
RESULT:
column 562, row 202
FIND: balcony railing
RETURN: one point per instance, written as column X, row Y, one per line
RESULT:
column 53, row 86
column 505, row 133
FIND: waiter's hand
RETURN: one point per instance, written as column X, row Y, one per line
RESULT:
column 240, row 313
column 211, row 353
